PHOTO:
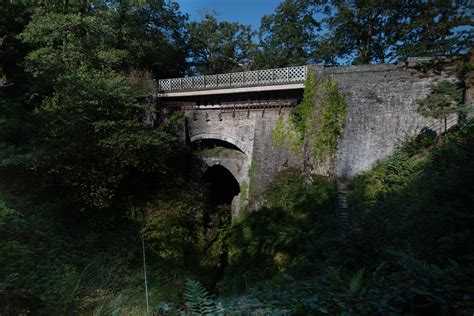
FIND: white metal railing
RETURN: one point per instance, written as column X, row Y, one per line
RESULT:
column 236, row 79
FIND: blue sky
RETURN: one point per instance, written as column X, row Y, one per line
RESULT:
column 242, row 11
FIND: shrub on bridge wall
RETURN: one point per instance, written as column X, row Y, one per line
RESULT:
column 279, row 132
column 445, row 98
column 317, row 121
column 331, row 106
column 285, row 132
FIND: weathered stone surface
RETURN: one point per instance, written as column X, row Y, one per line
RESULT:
column 382, row 111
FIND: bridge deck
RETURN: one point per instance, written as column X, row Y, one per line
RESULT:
column 238, row 82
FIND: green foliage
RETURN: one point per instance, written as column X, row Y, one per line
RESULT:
column 330, row 122
column 75, row 151
column 285, row 133
column 184, row 235
column 219, row 47
column 302, row 116
column 244, row 193
column 89, row 138
column 318, row 120
column 444, row 98
column 198, row 300
column 355, row 283
column 410, row 250
column 383, row 32
column 390, row 174
column 287, row 36
column 252, row 179
column 419, row 192
column 300, row 121
column 271, row 239
column 279, row 132
column 350, row 32
column 217, row 152
column 174, row 226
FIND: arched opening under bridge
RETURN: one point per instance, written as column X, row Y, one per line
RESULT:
column 223, row 187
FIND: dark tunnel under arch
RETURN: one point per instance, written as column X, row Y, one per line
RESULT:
column 223, row 186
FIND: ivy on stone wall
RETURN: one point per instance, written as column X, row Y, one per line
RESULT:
column 330, row 121
column 252, row 179
column 279, row 132
column 302, row 116
column 317, row 121
column 244, row 193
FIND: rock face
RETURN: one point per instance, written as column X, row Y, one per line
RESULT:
column 382, row 111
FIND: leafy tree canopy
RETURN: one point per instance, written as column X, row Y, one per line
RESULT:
column 362, row 32
column 219, row 47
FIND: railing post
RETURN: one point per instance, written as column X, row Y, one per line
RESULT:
column 258, row 77
column 217, row 81
column 181, row 83
column 287, row 74
column 192, row 83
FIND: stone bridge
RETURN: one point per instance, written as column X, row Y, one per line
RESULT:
column 230, row 118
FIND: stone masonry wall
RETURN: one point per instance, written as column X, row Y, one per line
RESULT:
column 382, row 111
column 268, row 161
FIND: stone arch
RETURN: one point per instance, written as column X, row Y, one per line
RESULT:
column 242, row 147
column 227, row 164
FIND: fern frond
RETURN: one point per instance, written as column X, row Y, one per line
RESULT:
column 355, row 282
column 198, row 300
column 410, row 263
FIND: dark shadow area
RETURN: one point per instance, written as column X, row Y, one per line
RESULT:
column 222, row 188
column 222, row 99
column 213, row 143
column 222, row 185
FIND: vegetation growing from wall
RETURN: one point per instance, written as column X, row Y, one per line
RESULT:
column 279, row 132
column 445, row 98
column 252, row 178
column 316, row 123
column 244, row 193
column 331, row 116
column 303, row 115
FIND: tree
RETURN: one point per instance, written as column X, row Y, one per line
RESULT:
column 288, row 37
column 86, row 133
column 366, row 32
column 219, row 47
column 14, row 19
column 362, row 32
column 438, row 28
column 154, row 34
